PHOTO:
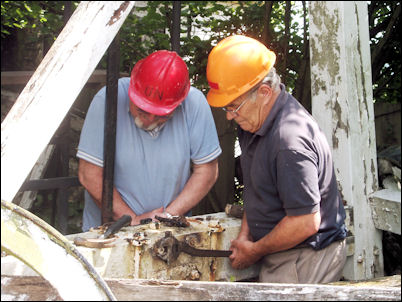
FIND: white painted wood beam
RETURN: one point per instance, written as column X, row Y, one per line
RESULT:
column 54, row 86
column 342, row 103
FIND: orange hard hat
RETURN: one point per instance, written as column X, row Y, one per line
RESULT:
column 159, row 82
column 235, row 65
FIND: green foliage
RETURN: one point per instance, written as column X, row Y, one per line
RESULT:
column 140, row 36
column 28, row 29
column 45, row 16
column 204, row 23
column 20, row 14
column 385, row 29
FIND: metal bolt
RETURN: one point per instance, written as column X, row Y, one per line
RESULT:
column 360, row 259
column 195, row 275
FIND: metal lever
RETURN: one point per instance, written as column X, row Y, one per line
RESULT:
column 169, row 248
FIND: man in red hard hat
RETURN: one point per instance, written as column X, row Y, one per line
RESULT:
column 164, row 127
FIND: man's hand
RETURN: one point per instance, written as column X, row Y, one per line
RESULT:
column 243, row 253
column 198, row 185
column 151, row 214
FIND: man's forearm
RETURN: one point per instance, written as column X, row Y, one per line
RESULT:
column 120, row 208
column 200, row 182
column 288, row 233
column 91, row 177
column 244, row 233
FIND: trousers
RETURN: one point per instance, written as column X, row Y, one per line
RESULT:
column 305, row 265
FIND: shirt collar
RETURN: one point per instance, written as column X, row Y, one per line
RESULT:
column 155, row 132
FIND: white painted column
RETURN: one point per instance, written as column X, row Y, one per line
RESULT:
column 54, row 86
column 342, row 103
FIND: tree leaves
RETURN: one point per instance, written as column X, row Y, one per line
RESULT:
column 204, row 23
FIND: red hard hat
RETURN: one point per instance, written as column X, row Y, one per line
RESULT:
column 159, row 82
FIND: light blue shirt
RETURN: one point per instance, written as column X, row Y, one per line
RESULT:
column 150, row 171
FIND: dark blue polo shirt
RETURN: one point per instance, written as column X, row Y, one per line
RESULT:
column 288, row 171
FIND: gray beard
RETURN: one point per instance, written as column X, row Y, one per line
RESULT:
column 141, row 125
column 152, row 129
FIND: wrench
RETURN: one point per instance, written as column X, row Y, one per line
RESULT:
column 169, row 248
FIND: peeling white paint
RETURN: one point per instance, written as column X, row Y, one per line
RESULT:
column 340, row 76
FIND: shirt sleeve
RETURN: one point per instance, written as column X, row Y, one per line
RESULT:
column 297, row 177
column 204, row 142
column 90, row 147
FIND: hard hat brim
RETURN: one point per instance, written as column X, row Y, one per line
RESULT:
column 216, row 99
column 145, row 105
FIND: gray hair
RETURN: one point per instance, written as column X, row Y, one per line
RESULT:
column 272, row 79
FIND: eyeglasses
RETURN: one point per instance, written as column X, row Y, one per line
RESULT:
column 235, row 110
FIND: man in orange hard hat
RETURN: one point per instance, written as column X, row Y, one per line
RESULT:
column 164, row 128
column 293, row 223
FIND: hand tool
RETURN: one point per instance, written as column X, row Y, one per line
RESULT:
column 169, row 248
column 116, row 226
column 104, row 240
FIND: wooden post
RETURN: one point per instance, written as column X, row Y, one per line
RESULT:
column 63, row 144
column 175, row 34
column 109, row 143
column 28, row 198
column 342, row 103
column 63, row 147
column 53, row 88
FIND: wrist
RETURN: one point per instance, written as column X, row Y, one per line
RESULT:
column 245, row 236
column 259, row 249
column 167, row 214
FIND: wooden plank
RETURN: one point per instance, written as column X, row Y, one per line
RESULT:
column 342, row 104
column 386, row 210
column 63, row 171
column 53, row 88
column 27, row 289
column 15, row 77
column 15, row 287
column 50, row 183
column 37, row 172
column 22, row 77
